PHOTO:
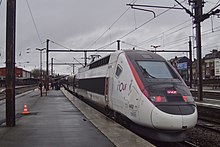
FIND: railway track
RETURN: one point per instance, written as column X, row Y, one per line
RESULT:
column 206, row 94
column 209, row 114
column 207, row 130
column 210, row 125
column 189, row 144
column 18, row 90
column 173, row 144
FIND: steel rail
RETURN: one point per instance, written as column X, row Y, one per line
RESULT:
column 19, row 90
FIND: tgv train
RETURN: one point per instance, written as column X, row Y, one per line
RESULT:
column 142, row 87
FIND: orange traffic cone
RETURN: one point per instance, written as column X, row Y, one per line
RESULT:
column 25, row 110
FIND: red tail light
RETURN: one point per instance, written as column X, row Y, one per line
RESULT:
column 185, row 98
column 188, row 98
column 158, row 99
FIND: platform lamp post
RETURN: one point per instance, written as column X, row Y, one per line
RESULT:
column 41, row 83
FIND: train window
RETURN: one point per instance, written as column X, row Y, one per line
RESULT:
column 118, row 71
column 99, row 62
column 154, row 69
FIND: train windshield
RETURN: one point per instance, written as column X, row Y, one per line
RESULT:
column 155, row 70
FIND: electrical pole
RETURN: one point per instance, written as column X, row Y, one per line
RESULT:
column 198, row 19
column 51, row 66
column 47, row 66
column 41, row 83
column 10, row 62
column 190, row 62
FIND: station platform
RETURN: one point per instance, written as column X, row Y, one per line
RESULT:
column 59, row 120
column 208, row 102
column 206, row 89
column 212, row 103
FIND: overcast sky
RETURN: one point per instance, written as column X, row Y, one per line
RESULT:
column 91, row 24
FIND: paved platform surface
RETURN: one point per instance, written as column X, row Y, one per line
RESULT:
column 119, row 135
column 64, row 121
column 54, row 122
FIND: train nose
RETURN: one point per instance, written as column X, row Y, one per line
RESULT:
column 167, row 121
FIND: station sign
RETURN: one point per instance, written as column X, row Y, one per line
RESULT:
column 182, row 66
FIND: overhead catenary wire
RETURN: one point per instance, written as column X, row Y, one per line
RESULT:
column 109, row 28
column 210, row 46
column 180, row 24
column 71, row 65
column 181, row 41
column 150, row 21
column 204, row 33
column 164, row 34
column 186, row 38
column 178, row 44
column 147, row 22
column 66, row 48
column 103, row 47
column 212, row 2
column 135, row 27
column 35, row 26
column 135, row 46
column 135, row 21
column 185, row 41
column 217, row 5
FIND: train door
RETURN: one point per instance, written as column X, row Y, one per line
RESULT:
column 106, row 91
column 119, row 85
column 126, row 97
column 108, row 86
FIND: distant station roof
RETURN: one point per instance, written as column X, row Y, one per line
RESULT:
column 213, row 55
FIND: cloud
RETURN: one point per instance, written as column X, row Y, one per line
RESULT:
column 78, row 23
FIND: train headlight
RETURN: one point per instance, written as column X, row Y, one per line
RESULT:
column 188, row 98
column 158, row 99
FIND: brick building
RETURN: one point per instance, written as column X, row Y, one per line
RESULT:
column 212, row 65
column 19, row 73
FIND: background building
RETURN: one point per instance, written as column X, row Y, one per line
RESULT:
column 212, row 65
column 210, row 68
column 19, row 73
column 181, row 64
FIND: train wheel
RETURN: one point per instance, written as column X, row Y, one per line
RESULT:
column 108, row 112
column 122, row 120
column 118, row 117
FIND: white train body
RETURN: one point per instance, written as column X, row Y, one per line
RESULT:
column 120, row 83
